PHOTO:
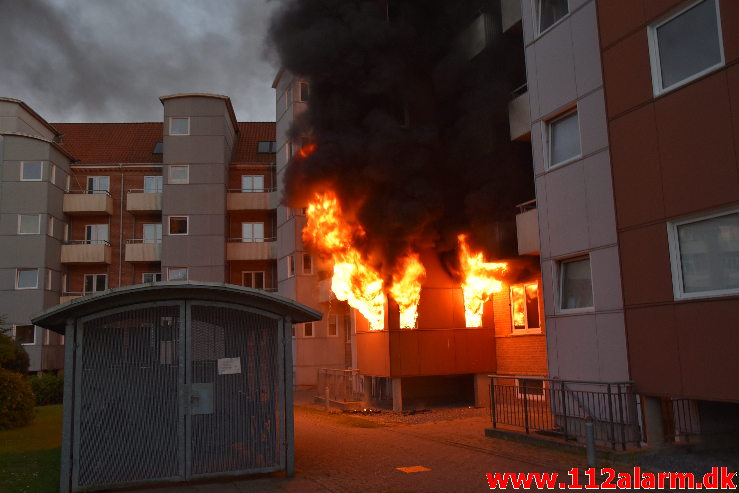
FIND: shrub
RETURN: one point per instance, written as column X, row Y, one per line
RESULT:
column 16, row 400
column 12, row 355
column 48, row 388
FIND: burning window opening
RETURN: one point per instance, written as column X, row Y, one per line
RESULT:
column 479, row 283
column 525, row 307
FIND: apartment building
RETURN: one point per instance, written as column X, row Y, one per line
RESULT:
column 92, row 206
column 633, row 111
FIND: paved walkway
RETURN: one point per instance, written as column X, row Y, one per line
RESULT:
column 338, row 453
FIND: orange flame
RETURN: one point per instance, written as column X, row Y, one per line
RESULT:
column 307, row 150
column 406, row 289
column 353, row 281
column 479, row 281
column 518, row 303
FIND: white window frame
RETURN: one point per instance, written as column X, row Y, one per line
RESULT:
column 95, row 230
column 536, row 11
column 50, row 225
column 312, row 331
column 527, row 330
column 144, row 274
column 178, row 181
column 169, row 273
column 290, row 259
column 654, row 59
column 335, row 319
column 159, row 182
column 173, row 118
column 52, row 173
column 15, row 334
column 17, row 277
column 548, row 138
column 252, row 272
column 38, row 224
column 187, row 226
column 308, row 272
column 48, row 279
column 95, row 278
column 157, row 230
column 41, row 170
column 94, row 185
column 530, row 397
column 676, row 265
column 248, row 183
column 253, row 227
column 560, row 281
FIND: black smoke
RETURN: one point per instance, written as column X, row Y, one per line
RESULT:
column 411, row 133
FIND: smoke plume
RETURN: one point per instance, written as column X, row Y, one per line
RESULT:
column 411, row 129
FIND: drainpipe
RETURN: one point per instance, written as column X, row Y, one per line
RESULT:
column 121, row 246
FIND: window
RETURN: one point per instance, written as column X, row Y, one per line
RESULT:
column 158, row 148
column 26, row 278
column 95, row 283
column 152, row 184
column 96, row 234
column 52, row 173
column 179, row 126
column 704, row 254
column 178, row 225
column 48, row 279
column 347, row 329
column 530, row 388
column 266, row 146
column 252, row 183
column 98, row 184
column 29, row 224
column 308, row 329
column 333, row 325
column 293, row 327
column 290, row 265
column 252, row 279
column 304, row 92
column 25, row 334
column 50, row 225
column 307, row 263
column 31, row 171
column 525, row 308
column 288, row 97
column 685, row 46
column 153, row 233
column 151, row 277
column 564, row 139
column 575, row 285
column 252, row 232
column 177, row 274
column 548, row 13
column 179, row 174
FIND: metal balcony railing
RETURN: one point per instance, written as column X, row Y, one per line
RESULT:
column 343, row 385
column 252, row 240
column 253, row 190
column 143, row 240
column 90, row 192
column 87, row 242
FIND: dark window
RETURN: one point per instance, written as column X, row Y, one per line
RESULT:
column 24, row 334
column 266, row 146
column 304, row 92
column 178, row 225
column 158, row 148
column 531, row 387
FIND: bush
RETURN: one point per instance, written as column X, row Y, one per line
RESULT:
column 12, row 355
column 48, row 388
column 16, row 400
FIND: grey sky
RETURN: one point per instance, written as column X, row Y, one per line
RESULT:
column 110, row 60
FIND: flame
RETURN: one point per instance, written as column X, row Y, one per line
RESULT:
column 479, row 281
column 406, row 289
column 307, row 150
column 518, row 302
column 353, row 281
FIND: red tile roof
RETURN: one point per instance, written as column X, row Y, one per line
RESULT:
column 102, row 143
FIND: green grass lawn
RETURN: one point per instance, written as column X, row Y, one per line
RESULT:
column 29, row 456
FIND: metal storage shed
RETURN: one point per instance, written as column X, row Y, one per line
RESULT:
column 173, row 381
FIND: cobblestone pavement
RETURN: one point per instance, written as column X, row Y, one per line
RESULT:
column 340, row 453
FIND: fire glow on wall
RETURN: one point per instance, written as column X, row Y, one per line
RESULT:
column 336, row 236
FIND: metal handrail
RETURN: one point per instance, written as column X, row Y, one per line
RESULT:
column 90, row 192
column 87, row 242
column 520, row 89
column 252, row 240
column 526, row 206
column 142, row 190
column 144, row 240
column 256, row 190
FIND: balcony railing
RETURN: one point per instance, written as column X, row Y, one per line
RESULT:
column 559, row 408
column 527, row 228
column 86, row 252
column 251, row 249
column 143, row 250
column 141, row 201
column 343, row 385
column 88, row 202
column 239, row 199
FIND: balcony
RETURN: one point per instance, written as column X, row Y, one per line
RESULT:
column 248, row 249
column 519, row 117
column 527, row 228
column 69, row 297
column 138, row 250
column 250, row 200
column 88, row 202
column 140, row 202
column 510, row 13
column 86, row 252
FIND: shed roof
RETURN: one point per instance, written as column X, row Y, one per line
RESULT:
column 55, row 318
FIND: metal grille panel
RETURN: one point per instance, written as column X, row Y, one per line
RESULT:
column 235, row 417
column 128, row 415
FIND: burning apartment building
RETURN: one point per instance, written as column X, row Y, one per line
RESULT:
column 401, row 182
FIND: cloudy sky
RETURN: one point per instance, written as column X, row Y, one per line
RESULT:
column 110, row 60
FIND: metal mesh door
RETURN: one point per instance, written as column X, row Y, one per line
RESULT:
column 128, row 414
column 234, row 403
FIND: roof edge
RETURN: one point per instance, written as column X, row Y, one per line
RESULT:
column 32, row 112
column 55, row 145
column 227, row 100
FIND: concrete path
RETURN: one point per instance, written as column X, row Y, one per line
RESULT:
column 337, row 453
